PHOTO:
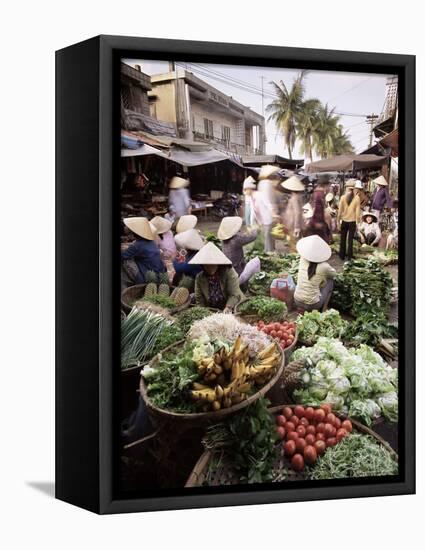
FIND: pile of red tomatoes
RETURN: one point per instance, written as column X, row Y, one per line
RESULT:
column 308, row 431
column 283, row 332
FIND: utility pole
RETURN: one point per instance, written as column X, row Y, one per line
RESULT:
column 262, row 95
column 371, row 120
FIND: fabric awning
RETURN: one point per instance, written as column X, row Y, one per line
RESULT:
column 191, row 158
column 346, row 163
column 258, row 160
column 142, row 151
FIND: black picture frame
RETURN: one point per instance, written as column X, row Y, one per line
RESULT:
column 87, row 270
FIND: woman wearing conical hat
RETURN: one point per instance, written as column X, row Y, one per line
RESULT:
column 248, row 188
column 292, row 217
column 164, row 237
column 143, row 251
column 233, row 241
column 381, row 197
column 179, row 197
column 189, row 243
column 217, row 285
column 369, row 230
column 315, row 275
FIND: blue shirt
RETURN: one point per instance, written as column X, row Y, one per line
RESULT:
column 184, row 268
column 147, row 256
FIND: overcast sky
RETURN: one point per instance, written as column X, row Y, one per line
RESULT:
column 349, row 93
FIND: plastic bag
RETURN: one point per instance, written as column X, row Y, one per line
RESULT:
column 252, row 267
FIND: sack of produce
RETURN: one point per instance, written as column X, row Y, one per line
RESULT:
column 283, row 288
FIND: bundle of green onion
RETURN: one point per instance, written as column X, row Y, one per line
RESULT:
column 139, row 333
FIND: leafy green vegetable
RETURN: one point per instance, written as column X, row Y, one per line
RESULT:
column 357, row 455
column 186, row 318
column 212, row 238
column 248, row 440
column 369, row 329
column 170, row 335
column 354, row 380
column 363, row 287
column 163, row 301
column 311, row 325
column 168, row 380
column 139, row 333
column 267, row 309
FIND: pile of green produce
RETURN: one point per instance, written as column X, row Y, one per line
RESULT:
column 212, row 238
column 357, row 455
column 370, row 329
column 386, row 257
column 140, row 331
column 356, row 381
column 260, row 282
column 169, row 335
column 168, row 383
column 267, row 309
column 163, row 301
column 363, row 287
column 311, row 325
column 186, row 318
column 248, row 442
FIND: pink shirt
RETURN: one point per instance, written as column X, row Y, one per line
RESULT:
column 167, row 245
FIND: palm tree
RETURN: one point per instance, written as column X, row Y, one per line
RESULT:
column 286, row 108
column 325, row 132
column 306, row 125
column 342, row 142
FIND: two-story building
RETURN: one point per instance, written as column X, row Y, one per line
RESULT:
column 202, row 113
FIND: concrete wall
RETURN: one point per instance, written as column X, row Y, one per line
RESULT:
column 219, row 118
column 165, row 102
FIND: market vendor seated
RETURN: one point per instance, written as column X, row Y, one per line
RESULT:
column 143, row 251
column 189, row 243
column 315, row 276
column 233, row 241
column 164, row 237
column 217, row 285
column 369, row 230
column 186, row 222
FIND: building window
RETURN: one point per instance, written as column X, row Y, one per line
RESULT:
column 208, row 128
column 225, row 134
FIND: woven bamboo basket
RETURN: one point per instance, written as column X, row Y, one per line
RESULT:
column 203, row 418
column 224, row 475
column 136, row 292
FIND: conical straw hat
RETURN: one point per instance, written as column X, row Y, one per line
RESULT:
column 178, row 183
column 186, row 222
column 210, row 255
column 380, row 181
column 350, row 183
column 267, row 170
column 229, row 227
column 190, row 239
column 161, row 224
column 293, row 184
column 249, row 183
column 314, row 249
column 358, row 185
column 371, row 214
column 141, row 227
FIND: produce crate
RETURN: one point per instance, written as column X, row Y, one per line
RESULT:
column 136, row 292
column 282, row 470
column 204, row 418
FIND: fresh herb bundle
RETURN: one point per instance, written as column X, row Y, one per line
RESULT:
column 267, row 309
column 168, row 382
column 163, row 301
column 357, row 455
column 186, row 318
column 363, row 287
column 248, row 440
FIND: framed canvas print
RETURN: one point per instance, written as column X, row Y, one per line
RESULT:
column 235, row 274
